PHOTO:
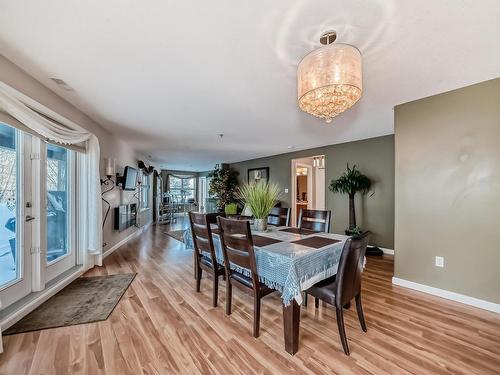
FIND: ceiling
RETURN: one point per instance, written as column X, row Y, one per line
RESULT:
column 170, row 76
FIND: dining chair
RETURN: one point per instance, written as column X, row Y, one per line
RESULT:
column 237, row 247
column 279, row 217
column 317, row 220
column 204, row 251
column 340, row 289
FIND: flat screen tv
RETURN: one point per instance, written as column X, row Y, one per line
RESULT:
column 129, row 178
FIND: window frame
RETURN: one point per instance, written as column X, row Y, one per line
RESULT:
column 72, row 215
column 178, row 191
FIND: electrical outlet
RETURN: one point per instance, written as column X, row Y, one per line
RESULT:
column 439, row 262
column 286, row 191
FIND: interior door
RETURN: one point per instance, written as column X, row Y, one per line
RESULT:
column 15, row 215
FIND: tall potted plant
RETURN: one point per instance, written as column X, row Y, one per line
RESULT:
column 223, row 185
column 350, row 183
column 260, row 198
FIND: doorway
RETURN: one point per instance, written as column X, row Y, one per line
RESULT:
column 308, row 185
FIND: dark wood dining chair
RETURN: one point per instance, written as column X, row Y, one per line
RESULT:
column 317, row 220
column 340, row 289
column 204, row 251
column 237, row 247
column 279, row 216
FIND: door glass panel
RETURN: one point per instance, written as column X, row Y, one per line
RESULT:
column 57, row 202
column 9, row 246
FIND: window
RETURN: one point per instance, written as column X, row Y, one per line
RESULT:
column 9, row 249
column 182, row 189
column 145, row 192
column 58, row 199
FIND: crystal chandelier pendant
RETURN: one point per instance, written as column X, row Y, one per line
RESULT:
column 329, row 79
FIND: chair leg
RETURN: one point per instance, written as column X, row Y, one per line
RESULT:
column 305, row 299
column 316, row 302
column 216, row 289
column 199, row 272
column 229, row 292
column 361, row 315
column 256, row 315
column 195, row 265
column 340, row 325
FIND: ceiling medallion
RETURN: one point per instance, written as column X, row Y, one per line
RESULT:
column 329, row 79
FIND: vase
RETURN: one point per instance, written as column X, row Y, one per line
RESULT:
column 260, row 225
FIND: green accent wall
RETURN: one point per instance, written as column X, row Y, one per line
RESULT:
column 447, row 200
column 374, row 157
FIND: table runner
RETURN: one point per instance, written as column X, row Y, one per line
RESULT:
column 286, row 266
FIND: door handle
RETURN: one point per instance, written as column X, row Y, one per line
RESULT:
column 29, row 218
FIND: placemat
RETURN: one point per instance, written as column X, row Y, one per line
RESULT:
column 299, row 231
column 261, row 241
column 316, row 242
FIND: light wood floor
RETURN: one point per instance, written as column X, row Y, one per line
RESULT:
column 161, row 326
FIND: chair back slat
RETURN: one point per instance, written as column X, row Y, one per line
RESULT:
column 317, row 220
column 237, row 245
column 349, row 273
column 202, row 234
column 279, row 216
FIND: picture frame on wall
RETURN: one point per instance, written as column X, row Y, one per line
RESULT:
column 258, row 174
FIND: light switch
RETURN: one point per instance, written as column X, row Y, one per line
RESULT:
column 286, row 191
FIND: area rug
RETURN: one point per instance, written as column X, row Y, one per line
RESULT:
column 177, row 234
column 85, row 300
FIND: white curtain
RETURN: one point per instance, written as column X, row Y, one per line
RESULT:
column 67, row 134
column 90, row 229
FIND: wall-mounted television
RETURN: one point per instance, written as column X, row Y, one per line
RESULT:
column 129, row 178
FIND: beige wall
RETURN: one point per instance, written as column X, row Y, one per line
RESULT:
column 374, row 157
column 110, row 145
column 447, row 198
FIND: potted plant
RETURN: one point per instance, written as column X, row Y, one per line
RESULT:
column 260, row 198
column 223, row 185
column 351, row 182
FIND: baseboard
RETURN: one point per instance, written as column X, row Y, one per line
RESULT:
column 126, row 239
column 387, row 251
column 482, row 304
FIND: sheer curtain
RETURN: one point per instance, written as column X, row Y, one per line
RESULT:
column 50, row 126
column 66, row 134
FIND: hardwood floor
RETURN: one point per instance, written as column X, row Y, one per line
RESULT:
column 161, row 326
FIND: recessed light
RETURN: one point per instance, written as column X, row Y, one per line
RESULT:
column 290, row 147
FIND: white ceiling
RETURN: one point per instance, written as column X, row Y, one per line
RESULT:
column 169, row 76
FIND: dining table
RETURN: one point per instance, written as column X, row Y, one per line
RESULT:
column 289, row 260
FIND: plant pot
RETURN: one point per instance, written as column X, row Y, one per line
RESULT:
column 260, row 225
